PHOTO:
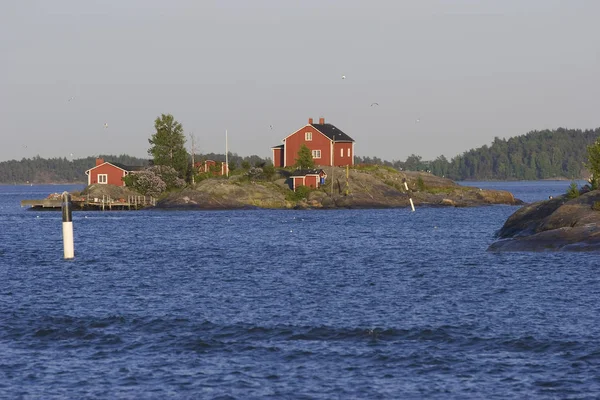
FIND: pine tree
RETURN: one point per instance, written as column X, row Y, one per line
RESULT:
column 305, row 158
column 168, row 145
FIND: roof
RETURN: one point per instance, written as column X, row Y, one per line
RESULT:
column 331, row 130
column 278, row 147
column 127, row 167
column 124, row 167
column 304, row 172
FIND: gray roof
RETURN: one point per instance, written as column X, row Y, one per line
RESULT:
column 331, row 130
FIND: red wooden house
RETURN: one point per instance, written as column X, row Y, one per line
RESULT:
column 313, row 178
column 329, row 145
column 109, row 173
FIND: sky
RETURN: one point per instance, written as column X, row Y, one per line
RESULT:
column 82, row 78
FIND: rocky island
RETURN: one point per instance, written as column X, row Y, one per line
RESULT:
column 373, row 187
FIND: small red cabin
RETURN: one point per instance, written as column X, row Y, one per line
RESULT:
column 109, row 173
column 218, row 168
column 313, row 178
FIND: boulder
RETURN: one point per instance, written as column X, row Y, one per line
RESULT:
column 558, row 224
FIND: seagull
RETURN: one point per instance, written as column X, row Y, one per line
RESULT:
column 71, row 98
column 105, row 125
column 418, row 120
column 271, row 126
column 343, row 76
column 374, row 104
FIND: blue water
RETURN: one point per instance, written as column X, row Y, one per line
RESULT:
column 348, row 304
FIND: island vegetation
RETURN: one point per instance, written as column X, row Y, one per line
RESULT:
column 547, row 154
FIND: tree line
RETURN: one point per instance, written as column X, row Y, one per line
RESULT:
column 547, row 154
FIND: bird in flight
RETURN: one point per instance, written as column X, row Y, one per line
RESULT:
column 71, row 98
column 105, row 125
column 374, row 104
column 343, row 76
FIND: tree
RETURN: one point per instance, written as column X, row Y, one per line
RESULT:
column 305, row 158
column 594, row 163
column 168, row 144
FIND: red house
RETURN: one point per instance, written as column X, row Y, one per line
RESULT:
column 218, row 168
column 109, row 173
column 313, row 178
column 329, row 145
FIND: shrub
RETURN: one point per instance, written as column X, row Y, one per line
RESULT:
column 596, row 206
column 168, row 175
column 420, row 184
column 573, row 191
column 301, row 192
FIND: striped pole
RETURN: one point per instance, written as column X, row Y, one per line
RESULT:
column 67, row 226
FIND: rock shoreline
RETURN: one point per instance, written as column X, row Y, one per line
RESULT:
column 558, row 224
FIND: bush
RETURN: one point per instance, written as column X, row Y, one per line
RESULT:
column 301, row 192
column 420, row 184
column 596, row 206
column 573, row 191
column 168, row 175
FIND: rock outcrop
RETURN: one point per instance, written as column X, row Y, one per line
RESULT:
column 373, row 188
column 558, row 224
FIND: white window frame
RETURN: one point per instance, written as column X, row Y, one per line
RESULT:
column 308, row 136
column 103, row 178
column 316, row 153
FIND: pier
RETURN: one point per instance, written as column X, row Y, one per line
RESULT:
column 86, row 203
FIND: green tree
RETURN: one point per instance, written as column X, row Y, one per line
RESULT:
column 168, row 144
column 594, row 163
column 304, row 159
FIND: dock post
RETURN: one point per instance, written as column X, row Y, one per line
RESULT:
column 67, row 226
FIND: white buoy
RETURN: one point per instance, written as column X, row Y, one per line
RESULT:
column 67, row 226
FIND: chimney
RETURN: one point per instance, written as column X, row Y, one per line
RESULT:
column 310, row 121
column 99, row 161
column 321, row 120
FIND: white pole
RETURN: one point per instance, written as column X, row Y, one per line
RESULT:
column 226, row 154
column 409, row 199
column 67, row 227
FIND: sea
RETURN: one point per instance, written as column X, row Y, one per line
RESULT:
column 292, row 304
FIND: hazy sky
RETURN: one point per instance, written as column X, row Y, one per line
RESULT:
column 467, row 70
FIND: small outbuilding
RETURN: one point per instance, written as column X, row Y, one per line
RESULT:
column 313, row 178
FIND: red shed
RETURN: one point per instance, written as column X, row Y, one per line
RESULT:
column 109, row 173
column 329, row 145
column 312, row 178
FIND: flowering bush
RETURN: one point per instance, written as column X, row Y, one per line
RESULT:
column 168, row 175
column 147, row 183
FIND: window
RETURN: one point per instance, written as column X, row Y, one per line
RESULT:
column 308, row 136
column 341, row 152
column 348, row 151
column 316, row 153
column 102, row 178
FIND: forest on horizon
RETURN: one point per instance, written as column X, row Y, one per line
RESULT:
column 546, row 154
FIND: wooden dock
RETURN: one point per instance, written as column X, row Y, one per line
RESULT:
column 103, row 203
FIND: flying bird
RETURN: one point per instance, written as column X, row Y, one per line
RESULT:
column 343, row 76
column 105, row 125
column 374, row 104
column 71, row 98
